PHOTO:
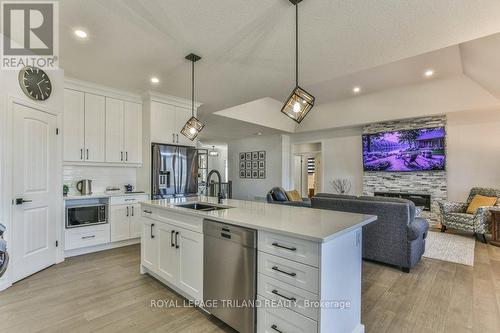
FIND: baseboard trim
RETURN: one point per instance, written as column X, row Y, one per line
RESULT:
column 101, row 247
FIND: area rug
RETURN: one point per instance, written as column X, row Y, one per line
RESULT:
column 449, row 247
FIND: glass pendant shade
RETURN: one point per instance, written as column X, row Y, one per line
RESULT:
column 192, row 128
column 298, row 104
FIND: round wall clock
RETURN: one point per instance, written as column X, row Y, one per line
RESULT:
column 35, row 83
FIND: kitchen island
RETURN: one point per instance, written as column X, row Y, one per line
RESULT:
column 309, row 256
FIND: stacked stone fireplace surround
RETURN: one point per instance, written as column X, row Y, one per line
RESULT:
column 433, row 183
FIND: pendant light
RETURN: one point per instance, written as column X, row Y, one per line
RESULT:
column 300, row 101
column 193, row 126
column 213, row 152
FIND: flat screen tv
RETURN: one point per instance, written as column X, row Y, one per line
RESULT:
column 406, row 150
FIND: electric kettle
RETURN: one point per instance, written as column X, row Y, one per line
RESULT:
column 84, row 186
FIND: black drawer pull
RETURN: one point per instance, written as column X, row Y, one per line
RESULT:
column 285, row 247
column 275, row 268
column 176, row 240
column 152, row 226
column 225, row 235
column 172, row 244
column 147, row 211
column 87, row 237
column 226, row 229
column 293, row 299
column 274, row 327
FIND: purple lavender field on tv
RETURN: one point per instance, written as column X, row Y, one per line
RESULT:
column 407, row 150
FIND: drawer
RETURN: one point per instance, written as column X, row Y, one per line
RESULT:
column 291, row 272
column 275, row 319
column 127, row 199
column 186, row 221
column 280, row 291
column 87, row 236
column 300, row 250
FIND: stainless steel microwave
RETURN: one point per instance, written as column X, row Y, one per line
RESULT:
column 86, row 215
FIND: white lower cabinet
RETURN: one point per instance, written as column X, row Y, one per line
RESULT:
column 76, row 238
column 125, row 217
column 175, row 254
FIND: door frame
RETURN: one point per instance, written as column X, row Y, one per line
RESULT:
column 322, row 159
column 7, row 102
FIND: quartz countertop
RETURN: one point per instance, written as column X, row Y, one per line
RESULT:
column 307, row 223
column 101, row 195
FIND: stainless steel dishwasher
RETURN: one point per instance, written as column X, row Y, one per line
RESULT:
column 229, row 275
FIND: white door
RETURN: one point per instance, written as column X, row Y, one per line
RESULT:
column 168, row 257
column 181, row 117
column 135, row 221
column 95, row 128
column 120, row 222
column 114, row 130
column 149, row 245
column 162, row 123
column 133, row 132
column 34, row 189
column 74, row 121
column 191, row 263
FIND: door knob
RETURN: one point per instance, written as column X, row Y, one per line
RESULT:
column 20, row 201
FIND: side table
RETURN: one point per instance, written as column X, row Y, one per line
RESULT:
column 495, row 226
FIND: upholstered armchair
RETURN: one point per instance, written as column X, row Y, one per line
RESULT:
column 453, row 214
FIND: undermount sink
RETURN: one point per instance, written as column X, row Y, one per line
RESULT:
column 202, row 206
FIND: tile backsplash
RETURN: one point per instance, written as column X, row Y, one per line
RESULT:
column 101, row 177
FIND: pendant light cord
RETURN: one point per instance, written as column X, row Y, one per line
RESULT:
column 192, row 88
column 297, row 44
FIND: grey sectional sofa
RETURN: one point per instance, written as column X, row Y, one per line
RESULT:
column 396, row 238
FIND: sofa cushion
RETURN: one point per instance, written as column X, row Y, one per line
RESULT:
column 278, row 194
column 334, row 195
column 293, row 195
column 480, row 201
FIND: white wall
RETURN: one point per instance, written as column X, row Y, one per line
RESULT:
column 473, row 143
column 217, row 162
column 249, row 189
column 101, row 177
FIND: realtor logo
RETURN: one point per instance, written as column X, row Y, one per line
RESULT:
column 29, row 35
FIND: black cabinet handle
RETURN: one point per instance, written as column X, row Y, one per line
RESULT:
column 126, row 156
column 176, row 240
column 87, row 237
column 127, row 212
column 152, row 225
column 275, row 268
column 87, row 154
column 147, row 211
column 293, row 299
column 172, row 244
column 285, row 247
column 274, row 327
column 173, row 137
column 132, row 210
column 81, row 154
column 121, row 156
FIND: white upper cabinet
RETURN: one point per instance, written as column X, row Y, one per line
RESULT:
column 167, row 122
column 182, row 115
column 95, row 130
column 74, row 129
column 114, row 130
column 133, row 132
column 101, row 125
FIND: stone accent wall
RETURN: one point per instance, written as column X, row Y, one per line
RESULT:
column 422, row 182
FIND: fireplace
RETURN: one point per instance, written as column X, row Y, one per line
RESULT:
column 420, row 200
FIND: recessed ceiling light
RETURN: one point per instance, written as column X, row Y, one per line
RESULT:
column 154, row 79
column 356, row 90
column 429, row 72
column 80, row 34
column 258, row 133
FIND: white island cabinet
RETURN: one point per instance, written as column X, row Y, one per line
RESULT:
column 308, row 260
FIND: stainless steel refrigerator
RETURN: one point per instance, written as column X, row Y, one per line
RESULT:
column 174, row 171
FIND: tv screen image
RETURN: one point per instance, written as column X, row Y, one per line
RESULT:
column 406, row 150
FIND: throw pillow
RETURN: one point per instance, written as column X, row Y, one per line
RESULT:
column 480, row 201
column 293, row 195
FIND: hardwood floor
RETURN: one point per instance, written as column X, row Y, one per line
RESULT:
column 103, row 292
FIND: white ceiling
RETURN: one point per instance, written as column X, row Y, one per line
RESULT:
column 247, row 46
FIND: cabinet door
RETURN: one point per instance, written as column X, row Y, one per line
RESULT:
column 74, row 119
column 114, row 130
column 162, row 123
column 190, row 250
column 120, row 222
column 181, row 117
column 168, row 257
column 149, row 245
column 95, row 128
column 133, row 132
column 135, row 221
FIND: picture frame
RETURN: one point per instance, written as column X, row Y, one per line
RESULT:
column 262, row 155
column 242, row 174
column 255, row 155
column 243, row 165
column 248, row 174
column 248, row 165
column 262, row 174
column 255, row 165
column 262, row 164
column 255, row 174
column 242, row 156
column 248, row 156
